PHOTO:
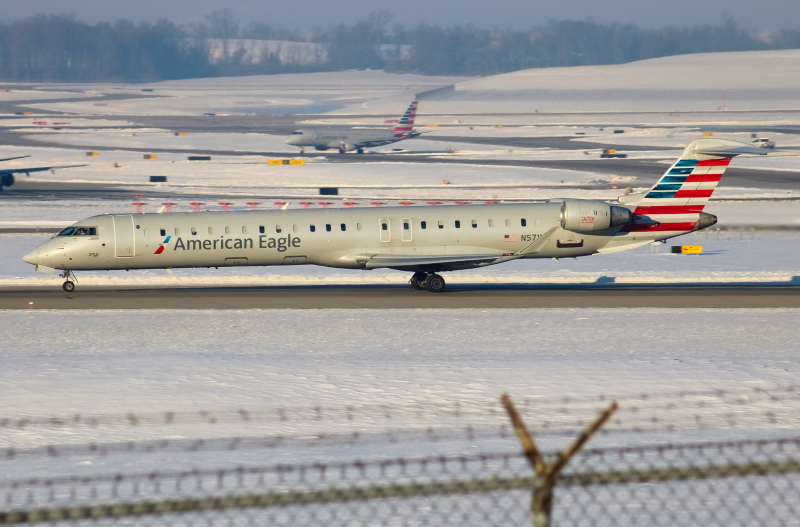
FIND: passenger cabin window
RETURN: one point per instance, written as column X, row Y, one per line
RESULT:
column 328, row 227
column 312, row 228
column 278, row 229
column 405, row 225
column 244, row 229
column 358, row 226
column 508, row 222
column 194, row 230
column 523, row 222
column 177, row 231
column 261, row 229
column 384, row 226
column 491, row 223
column 441, row 224
column 474, row 224
column 163, row 232
column 79, row 231
column 294, row 227
column 227, row 230
column 423, row 224
column 344, row 227
column 211, row 230
column 458, row 224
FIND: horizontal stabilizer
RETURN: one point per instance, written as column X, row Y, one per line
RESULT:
column 725, row 148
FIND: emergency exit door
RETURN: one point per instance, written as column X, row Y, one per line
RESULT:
column 405, row 232
column 386, row 233
column 124, row 241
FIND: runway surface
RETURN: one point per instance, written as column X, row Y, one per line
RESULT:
column 402, row 297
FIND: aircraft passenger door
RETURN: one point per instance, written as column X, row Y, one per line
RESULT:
column 405, row 233
column 124, row 245
column 386, row 233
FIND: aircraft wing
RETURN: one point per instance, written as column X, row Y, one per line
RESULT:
column 13, row 158
column 456, row 261
column 446, row 262
column 373, row 143
column 26, row 170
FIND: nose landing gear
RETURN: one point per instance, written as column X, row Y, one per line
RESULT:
column 430, row 282
column 69, row 285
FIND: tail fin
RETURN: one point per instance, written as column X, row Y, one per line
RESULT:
column 677, row 199
column 406, row 123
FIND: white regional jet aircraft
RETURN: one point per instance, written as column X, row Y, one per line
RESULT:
column 422, row 240
column 347, row 138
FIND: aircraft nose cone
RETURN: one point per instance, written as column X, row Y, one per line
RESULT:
column 32, row 257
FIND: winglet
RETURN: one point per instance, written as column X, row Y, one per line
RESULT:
column 285, row 206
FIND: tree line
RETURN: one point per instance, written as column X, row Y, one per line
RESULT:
column 61, row 48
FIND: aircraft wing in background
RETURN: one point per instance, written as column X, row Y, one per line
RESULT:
column 7, row 174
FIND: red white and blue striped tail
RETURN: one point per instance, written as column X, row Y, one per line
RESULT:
column 406, row 123
column 675, row 202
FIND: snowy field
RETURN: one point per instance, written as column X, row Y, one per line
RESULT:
column 67, row 363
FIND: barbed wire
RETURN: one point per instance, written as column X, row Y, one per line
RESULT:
column 621, row 426
column 459, row 409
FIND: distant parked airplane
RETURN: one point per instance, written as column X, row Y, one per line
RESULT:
column 347, row 138
column 7, row 174
column 420, row 240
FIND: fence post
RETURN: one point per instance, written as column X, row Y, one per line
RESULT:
column 546, row 473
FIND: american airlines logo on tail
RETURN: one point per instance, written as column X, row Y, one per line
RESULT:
column 675, row 203
column 406, row 123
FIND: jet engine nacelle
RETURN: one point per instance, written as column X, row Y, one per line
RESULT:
column 6, row 180
column 342, row 147
column 580, row 215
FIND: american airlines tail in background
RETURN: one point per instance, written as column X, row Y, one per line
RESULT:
column 349, row 138
column 424, row 241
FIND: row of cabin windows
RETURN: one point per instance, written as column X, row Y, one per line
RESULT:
column 328, row 227
column 457, row 223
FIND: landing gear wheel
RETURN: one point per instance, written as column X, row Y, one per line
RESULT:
column 360, row 150
column 418, row 281
column 434, row 283
column 68, row 286
column 342, row 150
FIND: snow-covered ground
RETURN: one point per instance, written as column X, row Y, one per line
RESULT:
column 710, row 83
column 69, row 363
column 258, row 94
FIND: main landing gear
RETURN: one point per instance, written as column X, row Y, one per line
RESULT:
column 69, row 285
column 431, row 282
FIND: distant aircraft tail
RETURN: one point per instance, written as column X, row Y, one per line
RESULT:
column 676, row 201
column 406, row 123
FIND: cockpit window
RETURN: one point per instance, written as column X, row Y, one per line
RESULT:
column 79, row 231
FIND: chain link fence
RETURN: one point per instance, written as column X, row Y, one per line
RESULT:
column 252, row 467
column 704, row 484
